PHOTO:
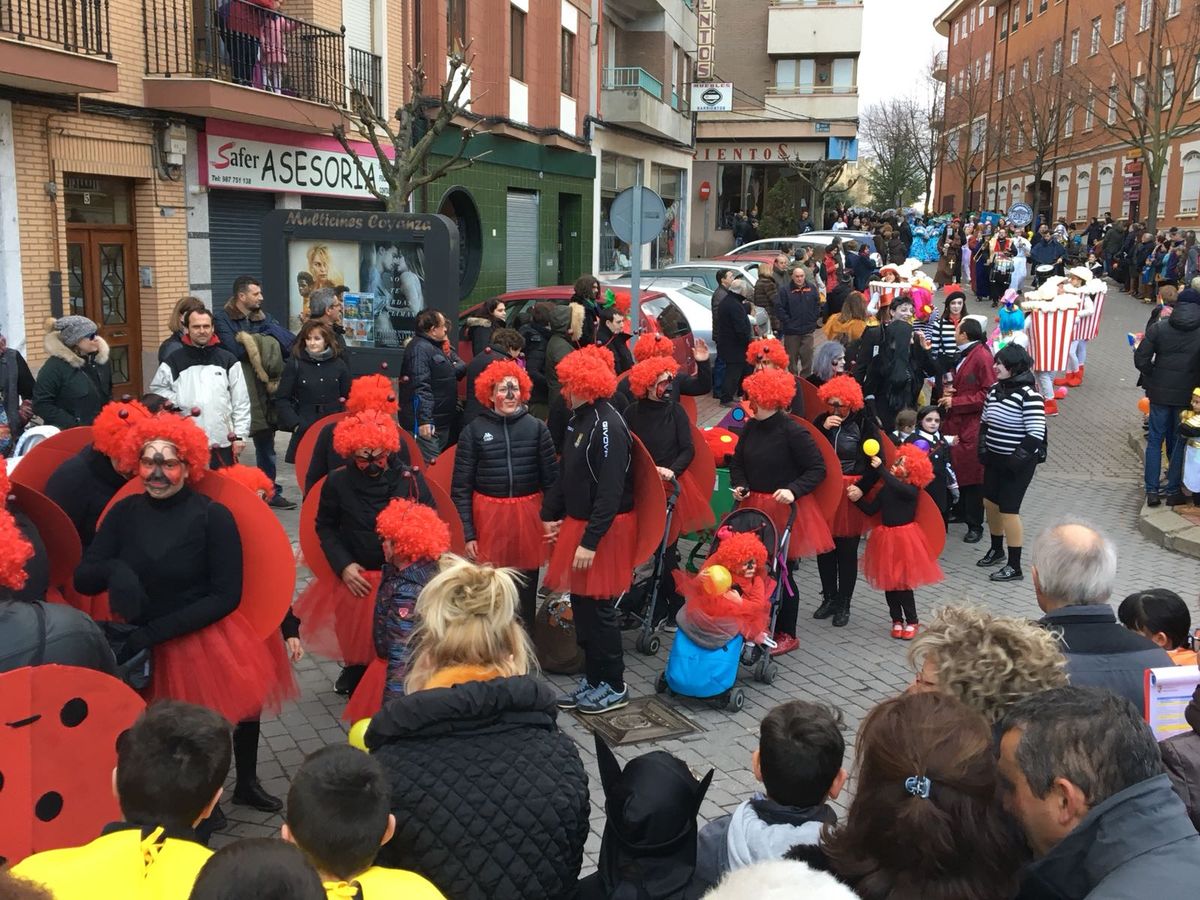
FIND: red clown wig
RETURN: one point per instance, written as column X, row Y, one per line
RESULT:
column 918, row 470
column 250, row 477
column 414, row 530
column 15, row 552
column 371, row 429
column 495, row 373
column 587, row 374
column 653, row 343
column 845, row 390
column 643, row 375
column 770, row 388
column 767, row 350
column 114, row 424
column 372, row 392
column 188, row 439
column 736, row 549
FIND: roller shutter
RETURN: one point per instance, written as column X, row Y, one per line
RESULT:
column 522, row 252
column 235, row 237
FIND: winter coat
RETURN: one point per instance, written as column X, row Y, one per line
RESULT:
column 766, row 293
column 83, row 486
column 1112, row 240
column 1181, row 756
column 262, row 367
column 1136, row 843
column 847, row 440
column 479, row 331
column 245, row 19
column 309, row 389
column 170, row 345
column 1169, row 355
column 566, row 326
column 396, row 617
column 35, row 633
column 490, row 797
column 1101, row 652
column 895, row 253
column 973, row 376
column 430, row 396
column 536, row 338
column 71, row 389
column 16, row 385
column 798, row 309
column 229, row 320
column 756, row 831
column 618, row 345
column 501, row 456
column 210, row 379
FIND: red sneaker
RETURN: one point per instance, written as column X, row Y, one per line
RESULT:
column 1051, row 408
column 784, row 643
column 1063, row 381
column 1075, row 379
column 910, row 631
column 897, row 630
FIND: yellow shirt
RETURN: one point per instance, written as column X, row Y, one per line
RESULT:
column 378, row 882
column 120, row 866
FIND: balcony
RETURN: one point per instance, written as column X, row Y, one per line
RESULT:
column 241, row 61
column 59, row 47
column 366, row 77
column 939, row 66
column 814, row 101
column 632, row 97
column 814, row 27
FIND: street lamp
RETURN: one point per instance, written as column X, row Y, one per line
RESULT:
column 971, row 173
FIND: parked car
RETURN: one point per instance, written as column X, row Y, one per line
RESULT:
column 818, row 240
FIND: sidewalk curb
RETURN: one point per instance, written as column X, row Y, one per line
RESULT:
column 1162, row 524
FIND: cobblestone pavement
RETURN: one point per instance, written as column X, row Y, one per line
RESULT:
column 1091, row 473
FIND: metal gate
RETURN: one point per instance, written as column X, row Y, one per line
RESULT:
column 522, row 251
column 235, row 238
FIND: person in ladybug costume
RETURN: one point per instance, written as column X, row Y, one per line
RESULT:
column 503, row 464
column 366, row 392
column 590, row 510
column 846, row 425
column 710, row 617
column 654, row 343
column 769, row 353
column 777, row 464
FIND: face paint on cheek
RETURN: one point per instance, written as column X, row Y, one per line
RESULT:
column 661, row 389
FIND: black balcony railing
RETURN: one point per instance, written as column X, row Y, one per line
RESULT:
column 366, row 77
column 247, row 44
column 80, row 26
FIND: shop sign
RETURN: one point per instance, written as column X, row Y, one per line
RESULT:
column 706, row 38
column 779, row 152
column 234, row 155
column 712, row 96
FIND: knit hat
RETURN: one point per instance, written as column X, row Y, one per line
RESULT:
column 653, row 343
column 954, row 290
column 370, row 429
column 188, row 438
column 494, row 373
column 770, row 388
column 415, row 531
column 587, row 373
column 73, row 329
column 372, row 392
column 643, row 375
column 767, row 350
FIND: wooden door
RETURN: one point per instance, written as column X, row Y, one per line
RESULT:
column 103, row 283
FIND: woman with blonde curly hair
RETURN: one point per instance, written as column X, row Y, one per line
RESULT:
column 989, row 662
column 475, row 739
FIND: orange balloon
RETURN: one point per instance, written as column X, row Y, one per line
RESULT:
column 1144, row 406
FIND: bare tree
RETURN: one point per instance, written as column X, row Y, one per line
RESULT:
column 972, row 139
column 1144, row 86
column 924, row 130
column 1035, row 118
column 823, row 177
column 886, row 128
column 403, row 148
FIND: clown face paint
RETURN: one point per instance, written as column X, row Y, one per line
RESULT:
column 506, row 396
column 163, row 472
column 661, row 388
column 371, row 461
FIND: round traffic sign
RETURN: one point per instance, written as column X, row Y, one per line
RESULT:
column 654, row 215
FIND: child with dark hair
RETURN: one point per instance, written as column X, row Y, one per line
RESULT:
column 904, row 426
column 338, row 814
column 171, row 768
column 799, row 762
column 1162, row 616
column 258, row 868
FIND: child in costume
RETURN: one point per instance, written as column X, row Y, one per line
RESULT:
column 905, row 425
column 1189, row 430
column 339, row 814
column 1011, row 321
column 712, row 617
column 928, row 439
column 897, row 559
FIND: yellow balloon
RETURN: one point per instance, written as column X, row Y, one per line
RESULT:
column 717, row 580
column 871, row 447
column 358, row 734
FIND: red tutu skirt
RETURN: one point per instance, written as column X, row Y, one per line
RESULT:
column 224, row 666
column 849, row 520
column 367, row 698
column 730, row 613
column 336, row 624
column 611, row 571
column 897, row 558
column 810, row 531
column 693, row 508
column 509, row 530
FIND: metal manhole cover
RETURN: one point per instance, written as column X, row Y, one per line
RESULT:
column 644, row 719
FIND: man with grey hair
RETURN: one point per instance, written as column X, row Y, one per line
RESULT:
column 325, row 306
column 1074, row 567
column 1081, row 773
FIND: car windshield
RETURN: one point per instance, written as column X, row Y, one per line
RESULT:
column 699, row 293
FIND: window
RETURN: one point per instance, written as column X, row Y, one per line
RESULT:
column 978, row 133
column 1028, row 10
column 1089, row 113
column 1042, row 6
column 1069, row 124
column 1168, row 86
column 1012, row 78
column 1003, row 25
column 456, row 26
column 1119, row 23
column 1172, row 8
column 956, row 33
column 1041, row 65
column 1020, row 138
column 1196, row 80
column 978, row 69
column 1083, row 188
column 1189, row 191
column 971, row 18
column 568, row 63
column 1024, row 72
column 1000, row 88
column 1056, row 58
column 1144, row 14
column 1112, row 105
column 516, row 53
column 952, row 145
column 1104, row 191
column 843, row 75
column 987, row 64
column 1016, row 16
column 1095, row 48
column 1074, row 46
column 1064, row 187
column 1139, row 95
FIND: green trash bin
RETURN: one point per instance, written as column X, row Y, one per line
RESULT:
column 722, row 503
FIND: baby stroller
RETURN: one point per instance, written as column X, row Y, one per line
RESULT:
column 648, row 641
column 711, row 674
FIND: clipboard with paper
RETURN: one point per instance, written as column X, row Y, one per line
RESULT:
column 1168, row 691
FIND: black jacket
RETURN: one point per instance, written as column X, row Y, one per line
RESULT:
column 732, row 327
column 896, row 500
column 775, row 453
column 430, row 396
column 536, row 339
column 618, row 344
column 798, row 309
column 862, row 267
column 16, row 384
column 847, row 440
column 169, row 346
column 501, row 456
column 1169, row 355
column 349, row 504
column 490, row 797
column 37, row 568
column 666, row 431
column 37, row 633
column 309, row 390
column 595, row 482
column 479, row 362
column 70, row 390
column 83, row 485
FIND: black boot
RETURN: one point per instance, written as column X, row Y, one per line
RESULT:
column 1011, row 571
column 828, row 607
column 995, row 555
column 348, row 680
column 248, row 791
column 841, row 618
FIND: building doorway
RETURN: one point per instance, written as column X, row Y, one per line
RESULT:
column 103, row 284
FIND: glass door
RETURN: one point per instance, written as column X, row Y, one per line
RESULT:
column 103, row 285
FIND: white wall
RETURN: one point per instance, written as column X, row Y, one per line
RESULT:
column 12, row 306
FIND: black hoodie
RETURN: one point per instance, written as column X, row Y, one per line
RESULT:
column 1169, row 355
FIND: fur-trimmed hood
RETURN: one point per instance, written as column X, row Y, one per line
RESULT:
column 55, row 347
column 477, row 322
column 567, row 320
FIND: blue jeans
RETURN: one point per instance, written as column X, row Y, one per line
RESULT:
column 718, row 376
column 264, row 456
column 1163, row 428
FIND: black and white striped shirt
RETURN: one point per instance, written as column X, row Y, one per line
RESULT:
column 943, row 339
column 1011, row 417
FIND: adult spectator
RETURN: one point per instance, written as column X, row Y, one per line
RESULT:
column 478, row 329
column 1084, row 779
column 506, row 344
column 760, row 322
column 838, row 280
column 799, row 309
column 76, row 379
column 905, row 233
column 891, row 247
column 16, row 396
column 204, row 375
column 432, row 369
column 766, row 289
column 325, row 308
column 536, row 333
column 1181, row 757
column 988, row 662
column 733, row 334
column 315, row 381
column 848, row 325
column 858, row 261
column 587, row 294
column 611, row 334
column 1074, row 567
column 962, row 405
column 566, row 335
column 175, row 325
column 473, row 720
column 243, row 312
column 1169, row 359
column 805, row 225
column 1110, row 244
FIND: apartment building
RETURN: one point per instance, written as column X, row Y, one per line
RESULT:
column 794, row 69
column 1031, row 81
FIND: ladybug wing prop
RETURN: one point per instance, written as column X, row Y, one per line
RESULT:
column 62, row 541
column 448, row 513
column 829, row 492
column 35, row 467
column 308, row 443
column 58, row 734
column 310, row 544
column 689, row 406
column 649, row 503
column 933, row 526
column 813, row 406
column 441, row 472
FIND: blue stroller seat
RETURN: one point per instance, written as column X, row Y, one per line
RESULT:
column 695, row 671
